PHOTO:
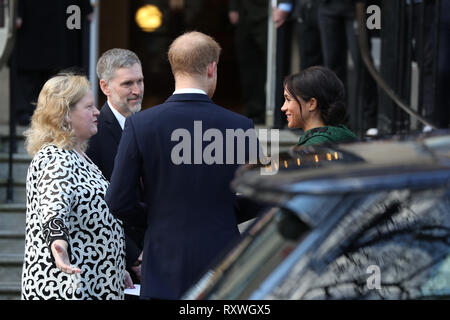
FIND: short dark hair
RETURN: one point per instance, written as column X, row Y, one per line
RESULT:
column 322, row 84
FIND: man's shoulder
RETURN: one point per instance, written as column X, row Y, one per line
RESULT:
column 166, row 111
column 229, row 114
column 147, row 118
column 147, row 113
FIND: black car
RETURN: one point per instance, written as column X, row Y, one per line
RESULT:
column 367, row 220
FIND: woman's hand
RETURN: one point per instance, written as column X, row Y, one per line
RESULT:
column 59, row 251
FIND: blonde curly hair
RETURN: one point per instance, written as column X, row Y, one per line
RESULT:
column 49, row 121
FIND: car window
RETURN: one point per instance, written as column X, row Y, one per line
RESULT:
column 394, row 245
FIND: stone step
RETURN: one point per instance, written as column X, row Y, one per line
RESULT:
column 20, row 144
column 13, row 207
column 12, row 220
column 11, row 267
column 4, row 130
column 20, row 138
column 19, row 191
column 10, row 290
column 12, row 216
column 20, row 166
column 12, row 242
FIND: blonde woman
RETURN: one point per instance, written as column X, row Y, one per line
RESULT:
column 74, row 247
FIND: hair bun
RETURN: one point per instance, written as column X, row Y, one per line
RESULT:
column 335, row 114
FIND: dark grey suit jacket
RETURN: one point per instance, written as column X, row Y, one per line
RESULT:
column 102, row 151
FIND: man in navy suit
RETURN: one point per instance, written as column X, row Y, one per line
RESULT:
column 121, row 80
column 190, row 215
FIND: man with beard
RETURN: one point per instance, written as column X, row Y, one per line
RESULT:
column 121, row 80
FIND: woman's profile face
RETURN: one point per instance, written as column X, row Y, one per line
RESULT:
column 292, row 110
column 83, row 117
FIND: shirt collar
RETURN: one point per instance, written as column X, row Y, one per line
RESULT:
column 189, row 90
column 120, row 118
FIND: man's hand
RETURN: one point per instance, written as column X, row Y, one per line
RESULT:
column 176, row 4
column 90, row 17
column 19, row 23
column 279, row 17
column 234, row 17
column 127, row 280
column 137, row 267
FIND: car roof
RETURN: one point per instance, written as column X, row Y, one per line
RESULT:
column 418, row 162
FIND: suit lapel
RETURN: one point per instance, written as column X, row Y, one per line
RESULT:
column 111, row 122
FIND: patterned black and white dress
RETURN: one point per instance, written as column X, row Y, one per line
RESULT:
column 65, row 200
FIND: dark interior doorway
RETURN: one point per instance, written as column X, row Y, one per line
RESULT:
column 208, row 16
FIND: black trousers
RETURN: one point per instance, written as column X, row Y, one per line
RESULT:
column 442, row 106
column 339, row 35
column 251, row 46
column 25, row 88
column 308, row 36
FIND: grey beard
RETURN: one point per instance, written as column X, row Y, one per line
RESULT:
column 136, row 108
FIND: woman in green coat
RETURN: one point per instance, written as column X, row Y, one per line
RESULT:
column 315, row 102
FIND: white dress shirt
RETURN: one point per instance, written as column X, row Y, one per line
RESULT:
column 189, row 90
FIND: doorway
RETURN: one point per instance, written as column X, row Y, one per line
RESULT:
column 177, row 17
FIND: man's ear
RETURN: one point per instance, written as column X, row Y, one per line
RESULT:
column 105, row 87
column 212, row 68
